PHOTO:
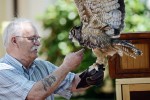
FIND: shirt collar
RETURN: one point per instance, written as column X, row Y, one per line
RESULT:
column 16, row 64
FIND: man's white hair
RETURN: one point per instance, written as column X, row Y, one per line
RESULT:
column 15, row 28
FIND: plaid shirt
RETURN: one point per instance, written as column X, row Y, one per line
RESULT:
column 16, row 81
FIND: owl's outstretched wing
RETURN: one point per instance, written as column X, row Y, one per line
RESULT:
column 101, row 16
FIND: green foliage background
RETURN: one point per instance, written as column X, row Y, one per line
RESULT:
column 62, row 16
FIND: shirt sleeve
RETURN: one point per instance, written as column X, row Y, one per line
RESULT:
column 13, row 84
column 64, row 87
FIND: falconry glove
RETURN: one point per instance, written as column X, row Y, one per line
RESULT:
column 91, row 77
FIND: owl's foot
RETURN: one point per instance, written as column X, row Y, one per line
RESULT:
column 97, row 66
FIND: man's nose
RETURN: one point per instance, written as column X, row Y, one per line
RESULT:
column 37, row 43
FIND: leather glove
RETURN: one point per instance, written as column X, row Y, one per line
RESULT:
column 91, row 77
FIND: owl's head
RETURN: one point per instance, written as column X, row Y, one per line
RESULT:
column 75, row 33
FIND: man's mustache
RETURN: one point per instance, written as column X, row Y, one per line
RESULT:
column 34, row 48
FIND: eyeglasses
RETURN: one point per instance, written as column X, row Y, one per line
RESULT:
column 32, row 39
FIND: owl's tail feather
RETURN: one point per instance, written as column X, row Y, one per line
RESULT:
column 127, row 48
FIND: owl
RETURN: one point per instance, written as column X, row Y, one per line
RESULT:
column 101, row 24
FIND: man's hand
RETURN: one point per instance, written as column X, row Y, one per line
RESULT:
column 73, row 60
column 93, row 76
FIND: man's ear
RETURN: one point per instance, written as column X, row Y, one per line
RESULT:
column 14, row 41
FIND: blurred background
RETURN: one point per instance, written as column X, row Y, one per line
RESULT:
column 54, row 19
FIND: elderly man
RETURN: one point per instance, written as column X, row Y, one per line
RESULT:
column 22, row 76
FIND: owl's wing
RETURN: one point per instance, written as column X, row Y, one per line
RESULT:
column 101, row 16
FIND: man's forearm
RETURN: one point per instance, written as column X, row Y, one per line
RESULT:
column 46, row 86
column 48, row 81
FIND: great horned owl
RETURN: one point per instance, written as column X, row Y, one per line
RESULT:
column 101, row 24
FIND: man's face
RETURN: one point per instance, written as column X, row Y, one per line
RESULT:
column 28, row 42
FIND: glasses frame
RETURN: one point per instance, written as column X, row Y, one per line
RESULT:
column 32, row 38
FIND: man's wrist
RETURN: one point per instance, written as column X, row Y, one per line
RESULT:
column 64, row 68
